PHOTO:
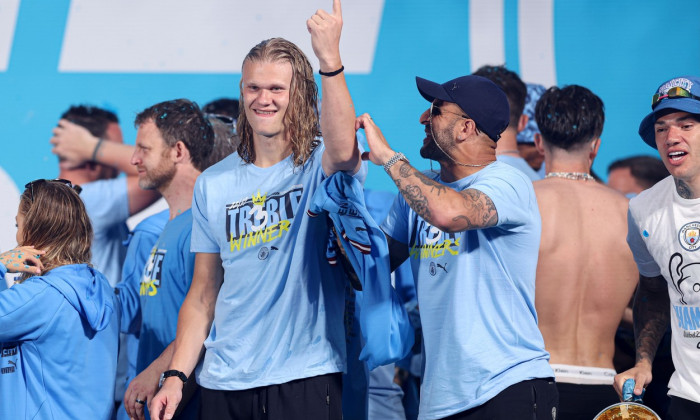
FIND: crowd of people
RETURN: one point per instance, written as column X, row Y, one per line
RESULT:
column 510, row 283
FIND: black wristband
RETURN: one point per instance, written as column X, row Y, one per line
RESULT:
column 332, row 73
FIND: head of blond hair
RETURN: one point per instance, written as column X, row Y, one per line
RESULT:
column 301, row 122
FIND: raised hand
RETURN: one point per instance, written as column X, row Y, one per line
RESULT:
column 379, row 150
column 72, row 143
column 325, row 31
column 23, row 259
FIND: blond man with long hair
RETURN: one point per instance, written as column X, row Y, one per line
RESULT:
column 275, row 347
column 59, row 330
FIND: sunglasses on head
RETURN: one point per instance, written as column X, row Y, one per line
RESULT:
column 30, row 186
column 673, row 93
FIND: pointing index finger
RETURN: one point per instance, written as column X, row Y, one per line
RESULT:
column 336, row 8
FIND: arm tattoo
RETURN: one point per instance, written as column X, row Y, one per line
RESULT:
column 682, row 188
column 651, row 316
column 480, row 212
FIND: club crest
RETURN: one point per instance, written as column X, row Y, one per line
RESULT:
column 689, row 236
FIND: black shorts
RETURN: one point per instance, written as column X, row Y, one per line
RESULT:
column 536, row 399
column 584, row 402
column 318, row 397
column 682, row 409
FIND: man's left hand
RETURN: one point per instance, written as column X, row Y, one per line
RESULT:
column 141, row 389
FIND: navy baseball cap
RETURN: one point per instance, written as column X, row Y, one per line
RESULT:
column 479, row 97
column 678, row 94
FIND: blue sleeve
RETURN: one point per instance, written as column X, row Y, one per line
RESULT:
column 26, row 309
column 511, row 193
column 141, row 244
column 106, row 201
column 396, row 223
column 645, row 262
column 202, row 238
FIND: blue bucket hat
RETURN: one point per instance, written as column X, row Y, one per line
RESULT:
column 663, row 100
column 479, row 97
column 534, row 91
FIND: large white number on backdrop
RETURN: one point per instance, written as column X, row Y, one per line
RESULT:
column 486, row 34
column 8, row 19
column 536, row 41
column 204, row 36
column 535, row 37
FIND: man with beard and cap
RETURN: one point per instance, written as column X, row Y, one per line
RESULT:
column 471, row 232
column 663, row 233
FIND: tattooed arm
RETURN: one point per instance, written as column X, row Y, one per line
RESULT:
column 439, row 205
column 651, row 317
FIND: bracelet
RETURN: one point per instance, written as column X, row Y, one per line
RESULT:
column 97, row 147
column 331, row 73
column 397, row 157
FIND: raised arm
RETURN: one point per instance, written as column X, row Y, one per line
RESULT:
column 76, row 145
column 337, row 110
column 439, row 205
column 651, row 317
column 193, row 326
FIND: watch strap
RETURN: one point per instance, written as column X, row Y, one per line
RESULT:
column 397, row 157
column 173, row 372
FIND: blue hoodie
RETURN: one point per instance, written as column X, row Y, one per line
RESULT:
column 59, row 336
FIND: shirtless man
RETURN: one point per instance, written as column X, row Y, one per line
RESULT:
column 585, row 273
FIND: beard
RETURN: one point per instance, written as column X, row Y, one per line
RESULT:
column 439, row 144
column 159, row 177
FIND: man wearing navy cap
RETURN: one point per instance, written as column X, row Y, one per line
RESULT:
column 471, row 232
column 664, row 235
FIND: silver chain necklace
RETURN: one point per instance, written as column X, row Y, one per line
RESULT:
column 578, row 176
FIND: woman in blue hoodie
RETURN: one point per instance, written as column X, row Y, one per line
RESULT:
column 59, row 329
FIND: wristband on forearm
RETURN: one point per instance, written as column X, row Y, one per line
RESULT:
column 97, row 147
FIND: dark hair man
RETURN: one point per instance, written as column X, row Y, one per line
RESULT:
column 514, row 88
column 584, row 284
column 173, row 144
column 634, row 174
column 263, row 294
column 471, row 232
column 663, row 234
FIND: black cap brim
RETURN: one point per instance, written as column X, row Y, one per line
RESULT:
column 431, row 90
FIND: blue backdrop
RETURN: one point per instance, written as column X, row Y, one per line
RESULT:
column 622, row 50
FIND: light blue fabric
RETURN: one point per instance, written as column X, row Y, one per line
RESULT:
column 107, row 204
column 139, row 245
column 3, row 271
column 279, row 312
column 387, row 333
column 521, row 164
column 166, row 279
column 476, row 291
column 60, row 333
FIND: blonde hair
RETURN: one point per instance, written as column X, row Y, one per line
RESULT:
column 301, row 123
column 55, row 220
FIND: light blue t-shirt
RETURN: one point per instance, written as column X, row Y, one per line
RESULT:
column 164, row 284
column 476, row 292
column 279, row 312
column 521, row 164
column 107, row 204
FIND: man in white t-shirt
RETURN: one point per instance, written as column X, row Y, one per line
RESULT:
column 664, row 234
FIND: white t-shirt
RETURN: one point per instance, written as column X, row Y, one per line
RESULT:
column 664, row 235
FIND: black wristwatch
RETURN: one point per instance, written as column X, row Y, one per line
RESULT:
column 169, row 373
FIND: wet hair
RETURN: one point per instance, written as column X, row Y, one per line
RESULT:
column 225, row 140
column 94, row 119
column 55, row 220
column 182, row 120
column 646, row 170
column 512, row 85
column 301, row 121
column 569, row 117
column 222, row 106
